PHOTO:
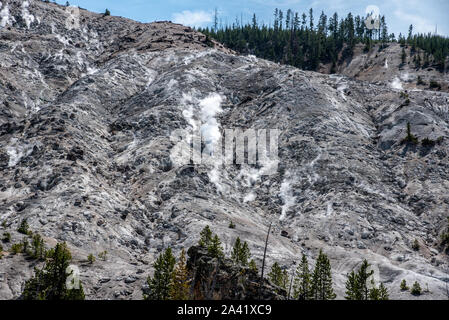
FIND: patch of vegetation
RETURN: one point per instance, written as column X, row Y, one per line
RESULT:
column 6, row 237
column 428, row 143
column 211, row 242
column 415, row 245
column 404, row 286
column 302, row 282
column 91, row 258
column 277, row 276
column 180, row 280
column 103, row 255
column 240, row 253
column 160, row 284
column 17, row 248
column 107, row 13
column 209, row 42
column 360, row 285
column 252, row 266
column 231, row 225
column 416, row 289
column 410, row 138
column 24, row 228
column 403, row 56
column 434, row 85
column 52, row 282
column 420, row 81
column 37, row 249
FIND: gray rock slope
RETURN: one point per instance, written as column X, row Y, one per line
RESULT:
column 88, row 104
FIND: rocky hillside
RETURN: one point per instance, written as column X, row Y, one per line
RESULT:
column 384, row 66
column 88, row 104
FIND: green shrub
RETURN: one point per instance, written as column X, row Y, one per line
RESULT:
column 416, row 289
column 231, row 225
column 91, row 258
column 253, row 266
column 24, row 228
column 426, row 142
column 404, row 286
column 107, row 13
column 37, row 250
column 103, row 255
column 17, row 248
column 6, row 237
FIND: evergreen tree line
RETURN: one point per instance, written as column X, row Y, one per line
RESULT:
column 296, row 40
column 172, row 280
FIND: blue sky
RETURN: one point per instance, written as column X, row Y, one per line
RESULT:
column 424, row 15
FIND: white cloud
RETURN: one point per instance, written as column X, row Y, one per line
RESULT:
column 193, row 18
column 420, row 24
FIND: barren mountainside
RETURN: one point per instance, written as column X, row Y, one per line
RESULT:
column 88, row 104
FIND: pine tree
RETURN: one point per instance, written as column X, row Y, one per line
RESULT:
column 278, row 276
column 302, row 281
column 383, row 292
column 357, row 283
column 160, row 283
column 50, row 283
column 252, row 266
column 416, row 289
column 404, row 286
column 37, row 247
column 352, row 287
column 358, row 288
column 403, row 56
column 24, row 227
column 235, row 254
column 215, row 249
column 322, row 279
column 205, row 237
column 380, row 293
column 303, row 45
column 240, row 253
column 180, row 285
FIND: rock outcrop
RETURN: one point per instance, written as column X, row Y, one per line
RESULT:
column 221, row 279
column 88, row 108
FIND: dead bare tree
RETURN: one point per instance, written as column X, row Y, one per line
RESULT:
column 291, row 283
column 263, row 261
